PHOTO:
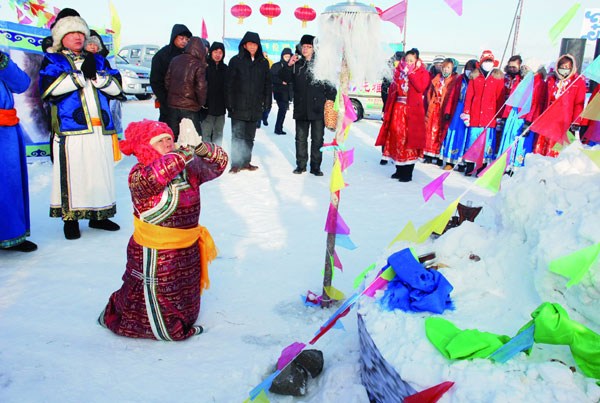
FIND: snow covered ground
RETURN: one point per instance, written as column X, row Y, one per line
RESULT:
column 268, row 226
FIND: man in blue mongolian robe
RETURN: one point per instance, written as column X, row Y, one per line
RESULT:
column 78, row 86
column 14, row 196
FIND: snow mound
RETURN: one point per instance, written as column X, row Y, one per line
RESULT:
column 545, row 211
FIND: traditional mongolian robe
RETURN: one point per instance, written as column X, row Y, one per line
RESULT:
column 403, row 130
column 160, row 295
column 513, row 128
column 453, row 146
column 438, row 98
column 84, row 145
column 14, row 197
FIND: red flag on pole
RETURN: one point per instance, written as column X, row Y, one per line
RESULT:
column 395, row 14
column 554, row 122
column 204, row 31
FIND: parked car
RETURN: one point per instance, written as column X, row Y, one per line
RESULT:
column 140, row 55
column 136, row 79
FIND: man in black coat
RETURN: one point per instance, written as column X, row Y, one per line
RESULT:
column 247, row 95
column 212, row 125
column 309, row 104
column 180, row 35
column 281, row 90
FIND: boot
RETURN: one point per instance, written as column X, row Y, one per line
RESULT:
column 482, row 168
column 71, row 229
column 406, row 173
column 105, row 224
column 398, row 172
column 469, row 169
column 25, row 246
column 427, row 159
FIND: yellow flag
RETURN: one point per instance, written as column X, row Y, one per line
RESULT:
column 594, row 155
column 493, row 176
column 438, row 224
column 260, row 398
column 334, row 293
column 409, row 233
column 116, row 26
column 337, row 180
column 592, row 110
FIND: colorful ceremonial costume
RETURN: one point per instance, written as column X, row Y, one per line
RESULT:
column 14, row 198
column 438, row 98
column 403, row 130
column 167, row 255
column 514, row 126
column 453, row 146
column 558, row 86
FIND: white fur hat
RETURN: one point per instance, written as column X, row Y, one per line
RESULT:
column 64, row 26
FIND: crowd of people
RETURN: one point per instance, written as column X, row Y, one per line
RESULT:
column 436, row 116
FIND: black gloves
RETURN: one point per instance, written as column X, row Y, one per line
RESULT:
column 88, row 68
column 447, row 116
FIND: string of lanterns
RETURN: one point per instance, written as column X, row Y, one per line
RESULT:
column 271, row 10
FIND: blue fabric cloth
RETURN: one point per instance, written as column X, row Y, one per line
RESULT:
column 14, row 193
column 415, row 288
column 512, row 129
column 453, row 146
column 490, row 141
column 72, row 115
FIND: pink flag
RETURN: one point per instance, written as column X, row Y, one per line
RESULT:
column 346, row 158
column 335, row 223
column 396, row 15
column 593, row 132
column 378, row 284
column 456, row 5
column 436, row 186
column 476, row 151
column 204, row 31
column 289, row 353
column 350, row 114
column 336, row 261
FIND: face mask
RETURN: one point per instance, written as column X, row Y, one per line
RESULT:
column 564, row 72
column 467, row 73
column 487, row 66
column 446, row 75
column 512, row 71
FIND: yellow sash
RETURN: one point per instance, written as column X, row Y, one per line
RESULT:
column 156, row 237
column 116, row 151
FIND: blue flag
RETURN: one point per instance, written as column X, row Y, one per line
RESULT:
column 522, row 95
column 344, row 241
column 593, row 70
column 521, row 342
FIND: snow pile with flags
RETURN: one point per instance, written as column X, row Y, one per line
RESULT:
column 543, row 222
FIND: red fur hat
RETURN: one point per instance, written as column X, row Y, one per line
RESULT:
column 137, row 139
column 487, row 55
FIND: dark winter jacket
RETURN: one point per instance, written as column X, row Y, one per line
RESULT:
column 309, row 95
column 186, row 77
column 160, row 63
column 248, row 83
column 215, row 76
column 280, row 90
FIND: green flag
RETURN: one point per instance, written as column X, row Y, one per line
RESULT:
column 575, row 265
column 493, row 176
column 560, row 26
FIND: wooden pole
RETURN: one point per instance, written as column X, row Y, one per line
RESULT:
column 224, row 11
column 326, row 301
column 518, row 24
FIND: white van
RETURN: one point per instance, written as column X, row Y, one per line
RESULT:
column 139, row 55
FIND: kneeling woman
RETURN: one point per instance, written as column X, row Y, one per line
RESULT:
column 402, row 134
column 168, row 254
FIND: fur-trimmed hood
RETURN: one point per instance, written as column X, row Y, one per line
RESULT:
column 561, row 59
column 496, row 73
column 63, row 27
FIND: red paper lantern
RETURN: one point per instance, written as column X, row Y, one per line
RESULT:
column 241, row 11
column 270, row 11
column 305, row 14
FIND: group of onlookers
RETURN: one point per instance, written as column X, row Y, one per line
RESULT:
column 437, row 115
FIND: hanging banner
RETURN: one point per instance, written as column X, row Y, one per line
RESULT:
column 590, row 28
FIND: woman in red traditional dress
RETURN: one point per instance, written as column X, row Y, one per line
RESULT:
column 436, row 122
column 402, row 134
column 167, row 255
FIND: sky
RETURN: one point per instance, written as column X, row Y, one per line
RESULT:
column 432, row 25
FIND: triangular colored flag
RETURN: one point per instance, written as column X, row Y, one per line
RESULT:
column 436, row 186
column 522, row 95
column 204, row 30
column 560, row 26
column 345, row 242
column 259, row 398
column 338, row 325
column 437, row 224
column 346, row 158
column 116, row 26
column 337, row 179
column 594, row 155
column 289, row 353
column 430, row 395
column 334, row 293
column 593, row 70
column 358, row 279
column 408, row 233
column 521, row 342
column 456, row 5
column 593, row 132
column 492, row 176
column 376, row 285
column 592, row 110
column 335, row 224
column 395, row 14
column 476, row 152
column 575, row 265
column 336, row 104
column 336, row 261
column 349, row 114
column 258, row 393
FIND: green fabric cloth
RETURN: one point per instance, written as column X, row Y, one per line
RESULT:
column 552, row 326
column 454, row 343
